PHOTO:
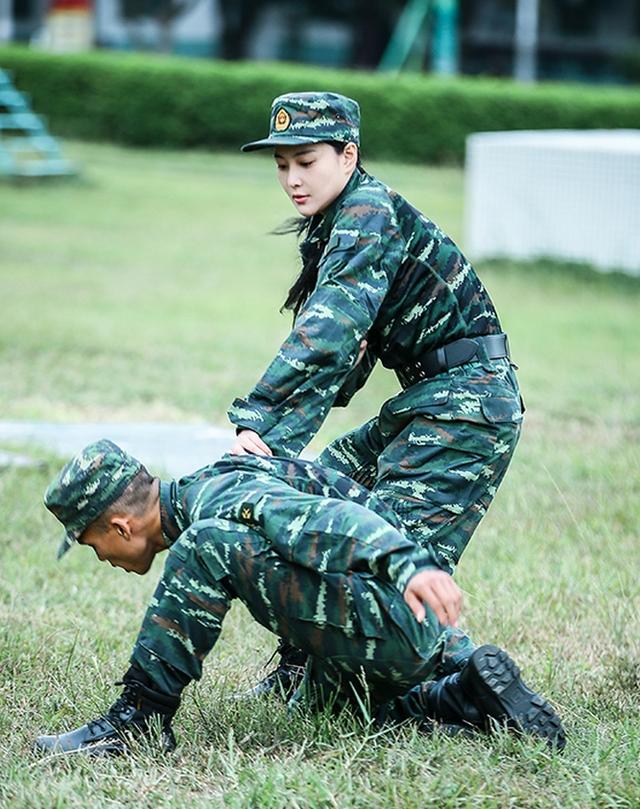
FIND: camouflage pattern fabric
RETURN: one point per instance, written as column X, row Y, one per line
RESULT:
column 438, row 450
column 235, row 485
column 258, row 492
column 299, row 118
column 437, row 453
column 87, row 485
column 386, row 273
column 324, row 573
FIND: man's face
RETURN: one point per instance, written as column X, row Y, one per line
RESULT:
column 120, row 545
column 312, row 176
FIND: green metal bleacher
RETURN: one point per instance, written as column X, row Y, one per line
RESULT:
column 26, row 147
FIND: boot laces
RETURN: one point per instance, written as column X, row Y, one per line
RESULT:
column 114, row 716
column 285, row 650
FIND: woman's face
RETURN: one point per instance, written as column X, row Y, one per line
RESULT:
column 314, row 175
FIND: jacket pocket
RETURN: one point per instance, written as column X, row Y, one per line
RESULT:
column 371, row 604
column 341, row 241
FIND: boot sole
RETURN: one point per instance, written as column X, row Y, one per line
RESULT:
column 94, row 749
column 503, row 696
column 450, row 729
column 114, row 746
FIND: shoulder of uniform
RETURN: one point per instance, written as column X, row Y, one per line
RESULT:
column 368, row 189
column 369, row 203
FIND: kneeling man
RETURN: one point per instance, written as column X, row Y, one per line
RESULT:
column 317, row 559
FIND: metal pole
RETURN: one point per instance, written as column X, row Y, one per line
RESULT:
column 526, row 41
column 6, row 21
column 444, row 60
column 408, row 28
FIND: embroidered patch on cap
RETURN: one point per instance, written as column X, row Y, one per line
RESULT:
column 283, row 119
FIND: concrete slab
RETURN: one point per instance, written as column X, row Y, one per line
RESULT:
column 16, row 459
column 173, row 449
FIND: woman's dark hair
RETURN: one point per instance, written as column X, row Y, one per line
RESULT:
column 304, row 284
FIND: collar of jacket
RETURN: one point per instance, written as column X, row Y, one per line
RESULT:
column 169, row 520
column 321, row 224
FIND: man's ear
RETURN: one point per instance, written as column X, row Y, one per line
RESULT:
column 122, row 526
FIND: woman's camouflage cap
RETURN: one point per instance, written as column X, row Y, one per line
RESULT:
column 87, row 485
column 298, row 118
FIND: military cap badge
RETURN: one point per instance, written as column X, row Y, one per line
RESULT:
column 283, row 119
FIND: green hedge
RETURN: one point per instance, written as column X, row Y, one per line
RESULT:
column 170, row 101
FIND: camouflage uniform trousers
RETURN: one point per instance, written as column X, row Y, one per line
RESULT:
column 437, row 453
column 369, row 649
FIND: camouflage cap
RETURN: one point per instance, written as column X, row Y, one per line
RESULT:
column 298, row 118
column 87, row 485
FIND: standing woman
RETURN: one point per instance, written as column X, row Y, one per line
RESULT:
column 380, row 281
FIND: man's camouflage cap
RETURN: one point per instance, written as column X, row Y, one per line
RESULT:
column 298, row 118
column 87, row 485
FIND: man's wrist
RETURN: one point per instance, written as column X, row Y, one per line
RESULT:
column 404, row 569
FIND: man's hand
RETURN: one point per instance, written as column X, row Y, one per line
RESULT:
column 361, row 352
column 437, row 590
column 249, row 443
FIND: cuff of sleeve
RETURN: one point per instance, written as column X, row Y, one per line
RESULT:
column 356, row 379
column 403, row 566
column 246, row 417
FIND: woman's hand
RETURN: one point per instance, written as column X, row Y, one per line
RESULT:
column 249, row 443
column 437, row 590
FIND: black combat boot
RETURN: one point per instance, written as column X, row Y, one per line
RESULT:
column 493, row 680
column 446, row 702
column 490, row 691
column 435, row 705
column 140, row 711
column 286, row 677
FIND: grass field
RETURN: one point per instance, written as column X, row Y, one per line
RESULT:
column 150, row 290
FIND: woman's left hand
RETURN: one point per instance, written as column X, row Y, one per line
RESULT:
column 249, row 442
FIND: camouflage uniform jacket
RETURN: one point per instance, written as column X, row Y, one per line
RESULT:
column 384, row 272
column 256, row 492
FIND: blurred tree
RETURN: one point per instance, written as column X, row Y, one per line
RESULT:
column 628, row 62
column 238, row 21
column 371, row 22
column 163, row 12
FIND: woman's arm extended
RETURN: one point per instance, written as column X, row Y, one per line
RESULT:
column 291, row 400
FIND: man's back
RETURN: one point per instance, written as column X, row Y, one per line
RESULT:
column 229, row 488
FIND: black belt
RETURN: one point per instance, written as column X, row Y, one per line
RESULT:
column 496, row 346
